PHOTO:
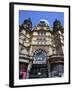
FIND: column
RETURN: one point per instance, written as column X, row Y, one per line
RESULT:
column 49, row 72
column 29, row 68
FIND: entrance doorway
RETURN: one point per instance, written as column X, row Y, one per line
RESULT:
column 38, row 71
column 39, row 68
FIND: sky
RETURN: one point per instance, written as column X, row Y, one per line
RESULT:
column 36, row 16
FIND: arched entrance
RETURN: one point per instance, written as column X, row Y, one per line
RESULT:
column 40, row 67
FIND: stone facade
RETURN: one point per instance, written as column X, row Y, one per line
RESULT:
column 41, row 50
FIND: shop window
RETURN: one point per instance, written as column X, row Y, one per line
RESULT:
column 57, row 70
column 22, row 70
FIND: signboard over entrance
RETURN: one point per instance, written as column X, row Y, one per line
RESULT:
column 39, row 57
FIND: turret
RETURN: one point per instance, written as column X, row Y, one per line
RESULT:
column 57, row 26
column 27, row 24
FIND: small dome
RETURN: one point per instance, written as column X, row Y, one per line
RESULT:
column 44, row 20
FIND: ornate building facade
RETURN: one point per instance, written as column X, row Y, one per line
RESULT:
column 41, row 50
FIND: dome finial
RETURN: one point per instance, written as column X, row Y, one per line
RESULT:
column 45, row 21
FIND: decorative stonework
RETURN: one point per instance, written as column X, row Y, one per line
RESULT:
column 42, row 37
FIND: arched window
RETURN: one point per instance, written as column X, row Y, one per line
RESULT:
column 39, row 57
column 41, row 41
